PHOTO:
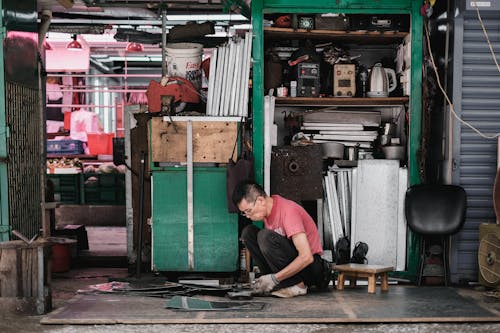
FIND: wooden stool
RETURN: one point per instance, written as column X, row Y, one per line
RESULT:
column 354, row 271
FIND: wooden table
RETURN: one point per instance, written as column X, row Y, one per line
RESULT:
column 354, row 271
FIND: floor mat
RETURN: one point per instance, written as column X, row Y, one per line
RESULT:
column 400, row 304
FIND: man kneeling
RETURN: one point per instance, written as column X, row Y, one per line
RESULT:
column 288, row 250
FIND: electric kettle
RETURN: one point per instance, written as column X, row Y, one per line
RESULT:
column 381, row 81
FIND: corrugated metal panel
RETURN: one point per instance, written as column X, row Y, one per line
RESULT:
column 25, row 156
column 477, row 99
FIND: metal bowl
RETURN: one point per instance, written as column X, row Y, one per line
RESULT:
column 333, row 150
column 394, row 152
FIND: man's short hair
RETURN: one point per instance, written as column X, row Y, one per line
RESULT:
column 248, row 190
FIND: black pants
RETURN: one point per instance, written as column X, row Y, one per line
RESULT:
column 273, row 252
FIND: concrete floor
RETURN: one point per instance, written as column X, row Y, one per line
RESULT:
column 65, row 285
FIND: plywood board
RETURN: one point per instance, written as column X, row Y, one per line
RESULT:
column 212, row 141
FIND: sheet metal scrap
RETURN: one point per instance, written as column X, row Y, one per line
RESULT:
column 166, row 290
column 184, row 303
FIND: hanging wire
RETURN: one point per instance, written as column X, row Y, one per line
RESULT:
column 487, row 38
column 438, row 80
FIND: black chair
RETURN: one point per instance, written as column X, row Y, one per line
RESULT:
column 435, row 211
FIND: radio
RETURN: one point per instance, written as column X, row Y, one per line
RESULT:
column 308, row 79
column 344, row 80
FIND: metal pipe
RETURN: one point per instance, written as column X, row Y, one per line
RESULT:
column 79, row 106
column 190, row 196
column 138, row 260
column 164, row 42
column 104, row 75
column 102, row 90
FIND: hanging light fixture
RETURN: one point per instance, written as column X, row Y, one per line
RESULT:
column 74, row 44
column 134, row 47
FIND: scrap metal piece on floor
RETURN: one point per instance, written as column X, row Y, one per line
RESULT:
column 195, row 304
column 241, row 295
column 168, row 289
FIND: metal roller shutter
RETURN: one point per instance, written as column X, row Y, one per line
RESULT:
column 476, row 96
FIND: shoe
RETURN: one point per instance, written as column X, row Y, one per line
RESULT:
column 290, row 292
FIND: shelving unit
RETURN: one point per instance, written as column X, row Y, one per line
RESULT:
column 270, row 36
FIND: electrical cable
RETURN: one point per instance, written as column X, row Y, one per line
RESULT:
column 438, row 80
column 487, row 38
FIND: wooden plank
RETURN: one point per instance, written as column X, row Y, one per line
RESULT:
column 8, row 272
column 361, row 268
column 25, row 276
column 212, row 141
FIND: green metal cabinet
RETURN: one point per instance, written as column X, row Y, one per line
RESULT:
column 261, row 7
column 215, row 230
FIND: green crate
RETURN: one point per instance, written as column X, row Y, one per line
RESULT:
column 100, row 196
column 66, row 187
column 106, row 179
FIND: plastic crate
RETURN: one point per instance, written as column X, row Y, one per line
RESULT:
column 68, row 147
column 100, row 196
column 105, row 179
column 66, row 187
column 107, row 189
column 100, row 144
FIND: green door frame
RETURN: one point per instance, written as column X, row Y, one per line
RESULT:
column 4, row 132
column 259, row 7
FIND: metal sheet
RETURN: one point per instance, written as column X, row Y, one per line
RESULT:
column 296, row 172
column 327, row 229
column 189, row 174
column 402, row 227
column 475, row 95
column 376, row 210
column 246, row 76
column 343, row 117
column 212, row 227
column 211, row 83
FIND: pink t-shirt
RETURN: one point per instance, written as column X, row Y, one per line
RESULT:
column 288, row 218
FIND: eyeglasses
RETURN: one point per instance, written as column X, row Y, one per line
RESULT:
column 247, row 212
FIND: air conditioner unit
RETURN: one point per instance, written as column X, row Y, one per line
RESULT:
column 489, row 255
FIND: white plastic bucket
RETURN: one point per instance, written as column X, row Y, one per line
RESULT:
column 184, row 60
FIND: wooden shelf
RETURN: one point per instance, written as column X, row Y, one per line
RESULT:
column 356, row 37
column 333, row 101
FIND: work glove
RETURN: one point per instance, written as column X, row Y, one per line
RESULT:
column 265, row 284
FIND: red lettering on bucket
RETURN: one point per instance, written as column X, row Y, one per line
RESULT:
column 192, row 65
